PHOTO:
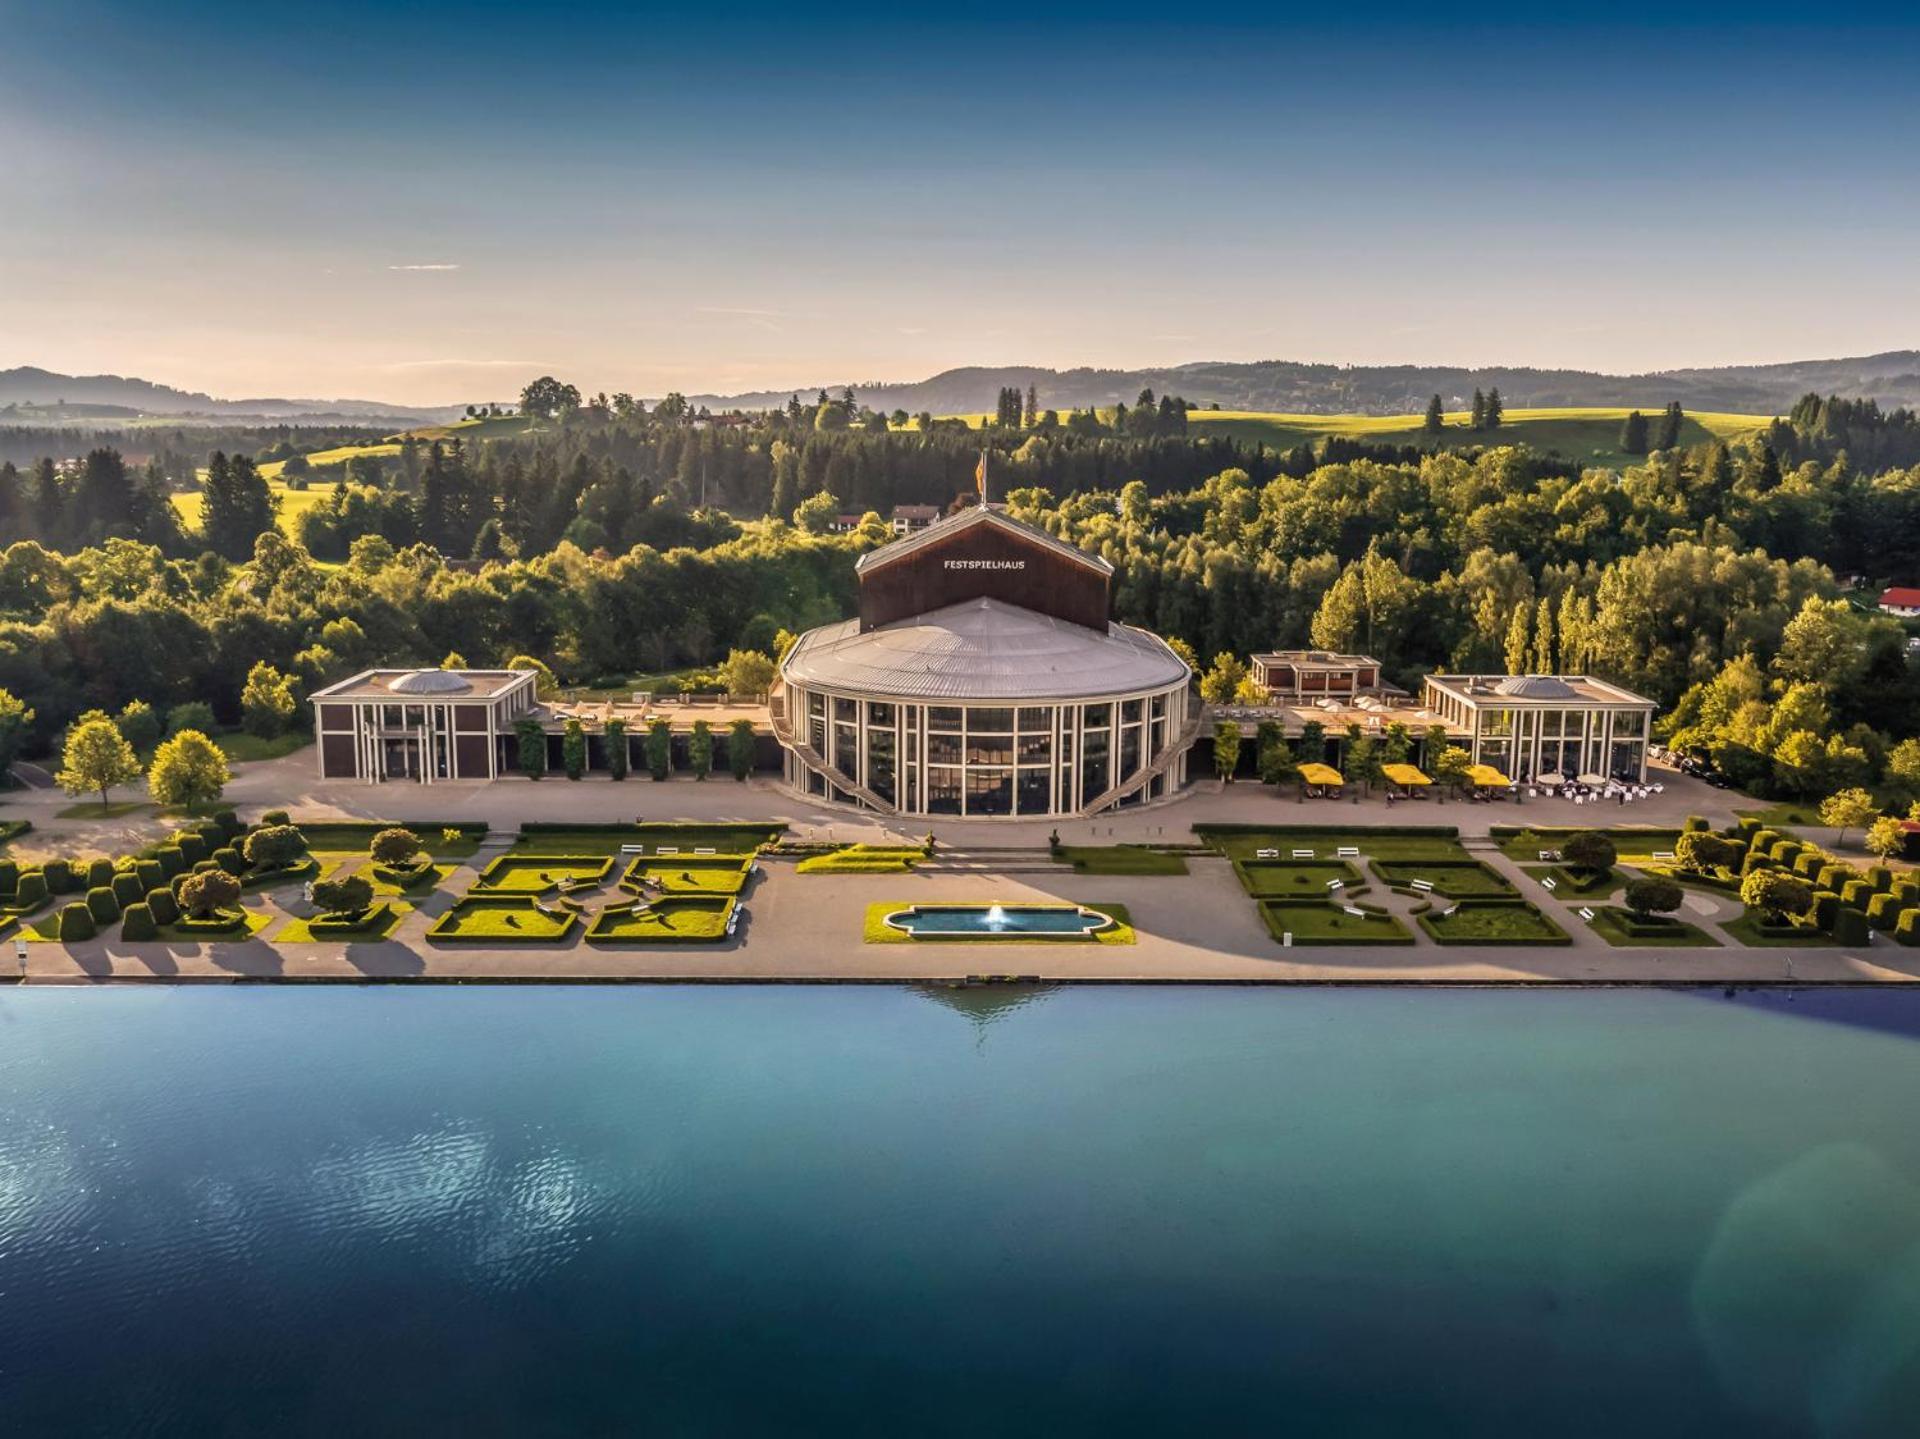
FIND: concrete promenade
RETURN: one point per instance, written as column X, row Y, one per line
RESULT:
column 1201, row 927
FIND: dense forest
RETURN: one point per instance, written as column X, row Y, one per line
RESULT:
column 614, row 541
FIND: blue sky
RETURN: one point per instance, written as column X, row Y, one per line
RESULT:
column 430, row 202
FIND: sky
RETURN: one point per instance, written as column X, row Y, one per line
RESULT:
column 432, row 203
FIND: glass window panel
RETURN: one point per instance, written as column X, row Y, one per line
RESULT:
column 943, row 749
column 1036, row 717
column 1093, row 765
column 989, row 721
column 1159, row 706
column 845, row 711
column 989, row 791
column 1130, row 711
column 943, row 791
column 1097, row 716
column 1129, row 752
column 879, row 714
column 989, row 749
column 943, row 717
column 1035, row 749
column 1032, row 792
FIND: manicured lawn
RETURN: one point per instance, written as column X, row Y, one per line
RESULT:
column 538, row 874
column 1293, row 878
column 862, row 859
column 256, row 920
column 1492, row 922
column 353, row 836
column 117, row 809
column 878, row 931
column 503, row 919
column 1633, row 843
column 380, row 925
column 1782, row 816
column 1611, row 925
column 1468, row 879
column 1745, row 930
column 1121, row 859
column 335, row 865
column 706, row 875
column 1570, row 882
column 1323, row 922
column 1439, row 842
column 667, row 921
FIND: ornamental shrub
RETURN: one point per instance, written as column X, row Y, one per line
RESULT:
column 1696, row 824
column 349, row 894
column 60, row 877
column 161, row 904
column 101, row 904
column 274, row 847
column 399, row 847
column 1651, row 896
column 1590, row 850
column 137, row 923
column 99, row 872
column 30, row 891
column 229, row 822
column 192, row 849
column 203, row 894
column 1832, row 875
column 230, row 859
column 150, row 871
column 76, row 923
column 1746, row 827
column 1808, row 863
column 1825, row 905
column 275, row 817
column 1764, row 840
column 1786, row 852
column 1880, row 877
column 1700, row 851
column 1856, row 892
column 1908, row 890
column 127, row 889
column 1850, row 926
column 1907, row 930
column 9, row 875
column 1884, row 911
column 1775, row 894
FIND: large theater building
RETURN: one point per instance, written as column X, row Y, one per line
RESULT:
column 983, row 678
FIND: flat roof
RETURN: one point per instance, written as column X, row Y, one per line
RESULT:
column 1316, row 660
column 378, row 685
column 983, row 650
column 1536, row 690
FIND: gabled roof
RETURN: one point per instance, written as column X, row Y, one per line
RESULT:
column 1906, row 596
column 968, row 519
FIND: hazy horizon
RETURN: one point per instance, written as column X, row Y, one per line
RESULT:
column 432, row 207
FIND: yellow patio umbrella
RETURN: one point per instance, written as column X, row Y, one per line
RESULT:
column 1405, row 775
column 1321, row 774
column 1487, row 777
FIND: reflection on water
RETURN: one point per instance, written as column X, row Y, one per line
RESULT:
column 747, row 1211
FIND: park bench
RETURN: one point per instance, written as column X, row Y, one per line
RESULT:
column 1355, row 911
column 1267, row 853
column 633, row 849
column 1549, row 883
column 1299, row 853
column 1665, row 855
column 1347, row 851
column 1549, row 856
column 708, row 849
column 1425, row 886
column 1334, row 885
column 668, row 849
column 1586, row 914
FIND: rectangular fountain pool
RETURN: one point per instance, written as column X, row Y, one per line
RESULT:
column 990, row 919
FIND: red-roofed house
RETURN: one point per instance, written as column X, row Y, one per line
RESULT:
column 1902, row 600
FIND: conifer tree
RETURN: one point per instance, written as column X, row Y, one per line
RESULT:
column 1495, row 409
column 1479, row 420
column 1436, row 417
column 1633, row 434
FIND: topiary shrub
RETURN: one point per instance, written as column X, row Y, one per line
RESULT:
column 1907, row 930
column 1884, row 911
column 229, row 822
column 1590, row 850
column 1775, row 894
column 162, row 906
column 138, row 923
column 274, row 817
column 1696, row 824
column 1850, row 926
column 1650, row 896
column 60, row 876
column 1825, row 905
column 1808, row 863
column 101, row 904
column 31, row 890
column 230, row 859
column 398, row 847
column 204, row 894
column 1880, row 877
column 1856, row 893
column 1834, row 874
column 193, row 847
column 347, row 895
column 1785, row 852
column 76, row 923
column 99, row 872
column 9, row 875
column 1764, row 840
column 171, row 859
column 150, row 873
column 127, row 889
column 1908, row 890
column 1701, row 852
column 275, row 847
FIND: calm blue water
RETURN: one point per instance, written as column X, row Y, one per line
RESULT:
column 662, row 1211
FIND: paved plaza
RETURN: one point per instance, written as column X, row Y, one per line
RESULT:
column 1200, row 927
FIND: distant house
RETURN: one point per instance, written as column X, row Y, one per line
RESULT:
column 845, row 523
column 911, row 519
column 1293, row 675
column 1901, row 600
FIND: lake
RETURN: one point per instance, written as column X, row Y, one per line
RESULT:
column 525, row 1210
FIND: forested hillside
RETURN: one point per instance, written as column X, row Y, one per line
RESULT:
column 610, row 541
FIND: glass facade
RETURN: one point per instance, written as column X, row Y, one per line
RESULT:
column 990, row 761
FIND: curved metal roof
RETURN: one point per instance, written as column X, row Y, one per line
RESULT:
column 431, row 682
column 983, row 650
column 1536, row 687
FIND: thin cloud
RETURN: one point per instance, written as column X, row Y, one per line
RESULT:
column 423, row 267
column 462, row 365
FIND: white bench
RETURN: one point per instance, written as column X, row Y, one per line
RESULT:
column 1549, row 856
column 1356, row 913
column 708, row 850
column 1286, row 939
column 1347, row 851
column 1334, row 885
column 1300, row 853
column 1586, row 914
column 667, row 849
column 1666, row 855
column 1269, row 853
column 1425, row 886
column 1548, row 883
column 633, row 849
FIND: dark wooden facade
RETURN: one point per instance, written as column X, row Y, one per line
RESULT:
column 991, row 560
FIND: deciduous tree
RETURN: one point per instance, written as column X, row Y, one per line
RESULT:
column 188, row 769
column 97, row 759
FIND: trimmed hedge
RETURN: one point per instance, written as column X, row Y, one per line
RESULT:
column 162, row 906
column 1884, row 911
column 1856, row 892
column 1834, row 874
column 149, row 872
column 1880, row 877
column 1697, row 824
column 171, row 859
column 231, row 860
column 9, row 875
column 408, row 877
column 1907, row 931
column 99, row 873
column 192, row 849
column 137, row 923
column 224, row 921
column 374, row 916
column 127, row 888
column 1826, row 904
column 76, row 923
column 60, row 876
column 31, row 891
column 1808, row 863
column 1850, row 926
column 101, row 904
column 1413, row 831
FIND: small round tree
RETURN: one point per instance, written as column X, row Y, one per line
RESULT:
column 1776, row 894
column 397, row 848
column 206, row 893
column 274, row 847
column 1652, row 895
column 1589, row 850
column 1701, row 851
column 349, row 894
